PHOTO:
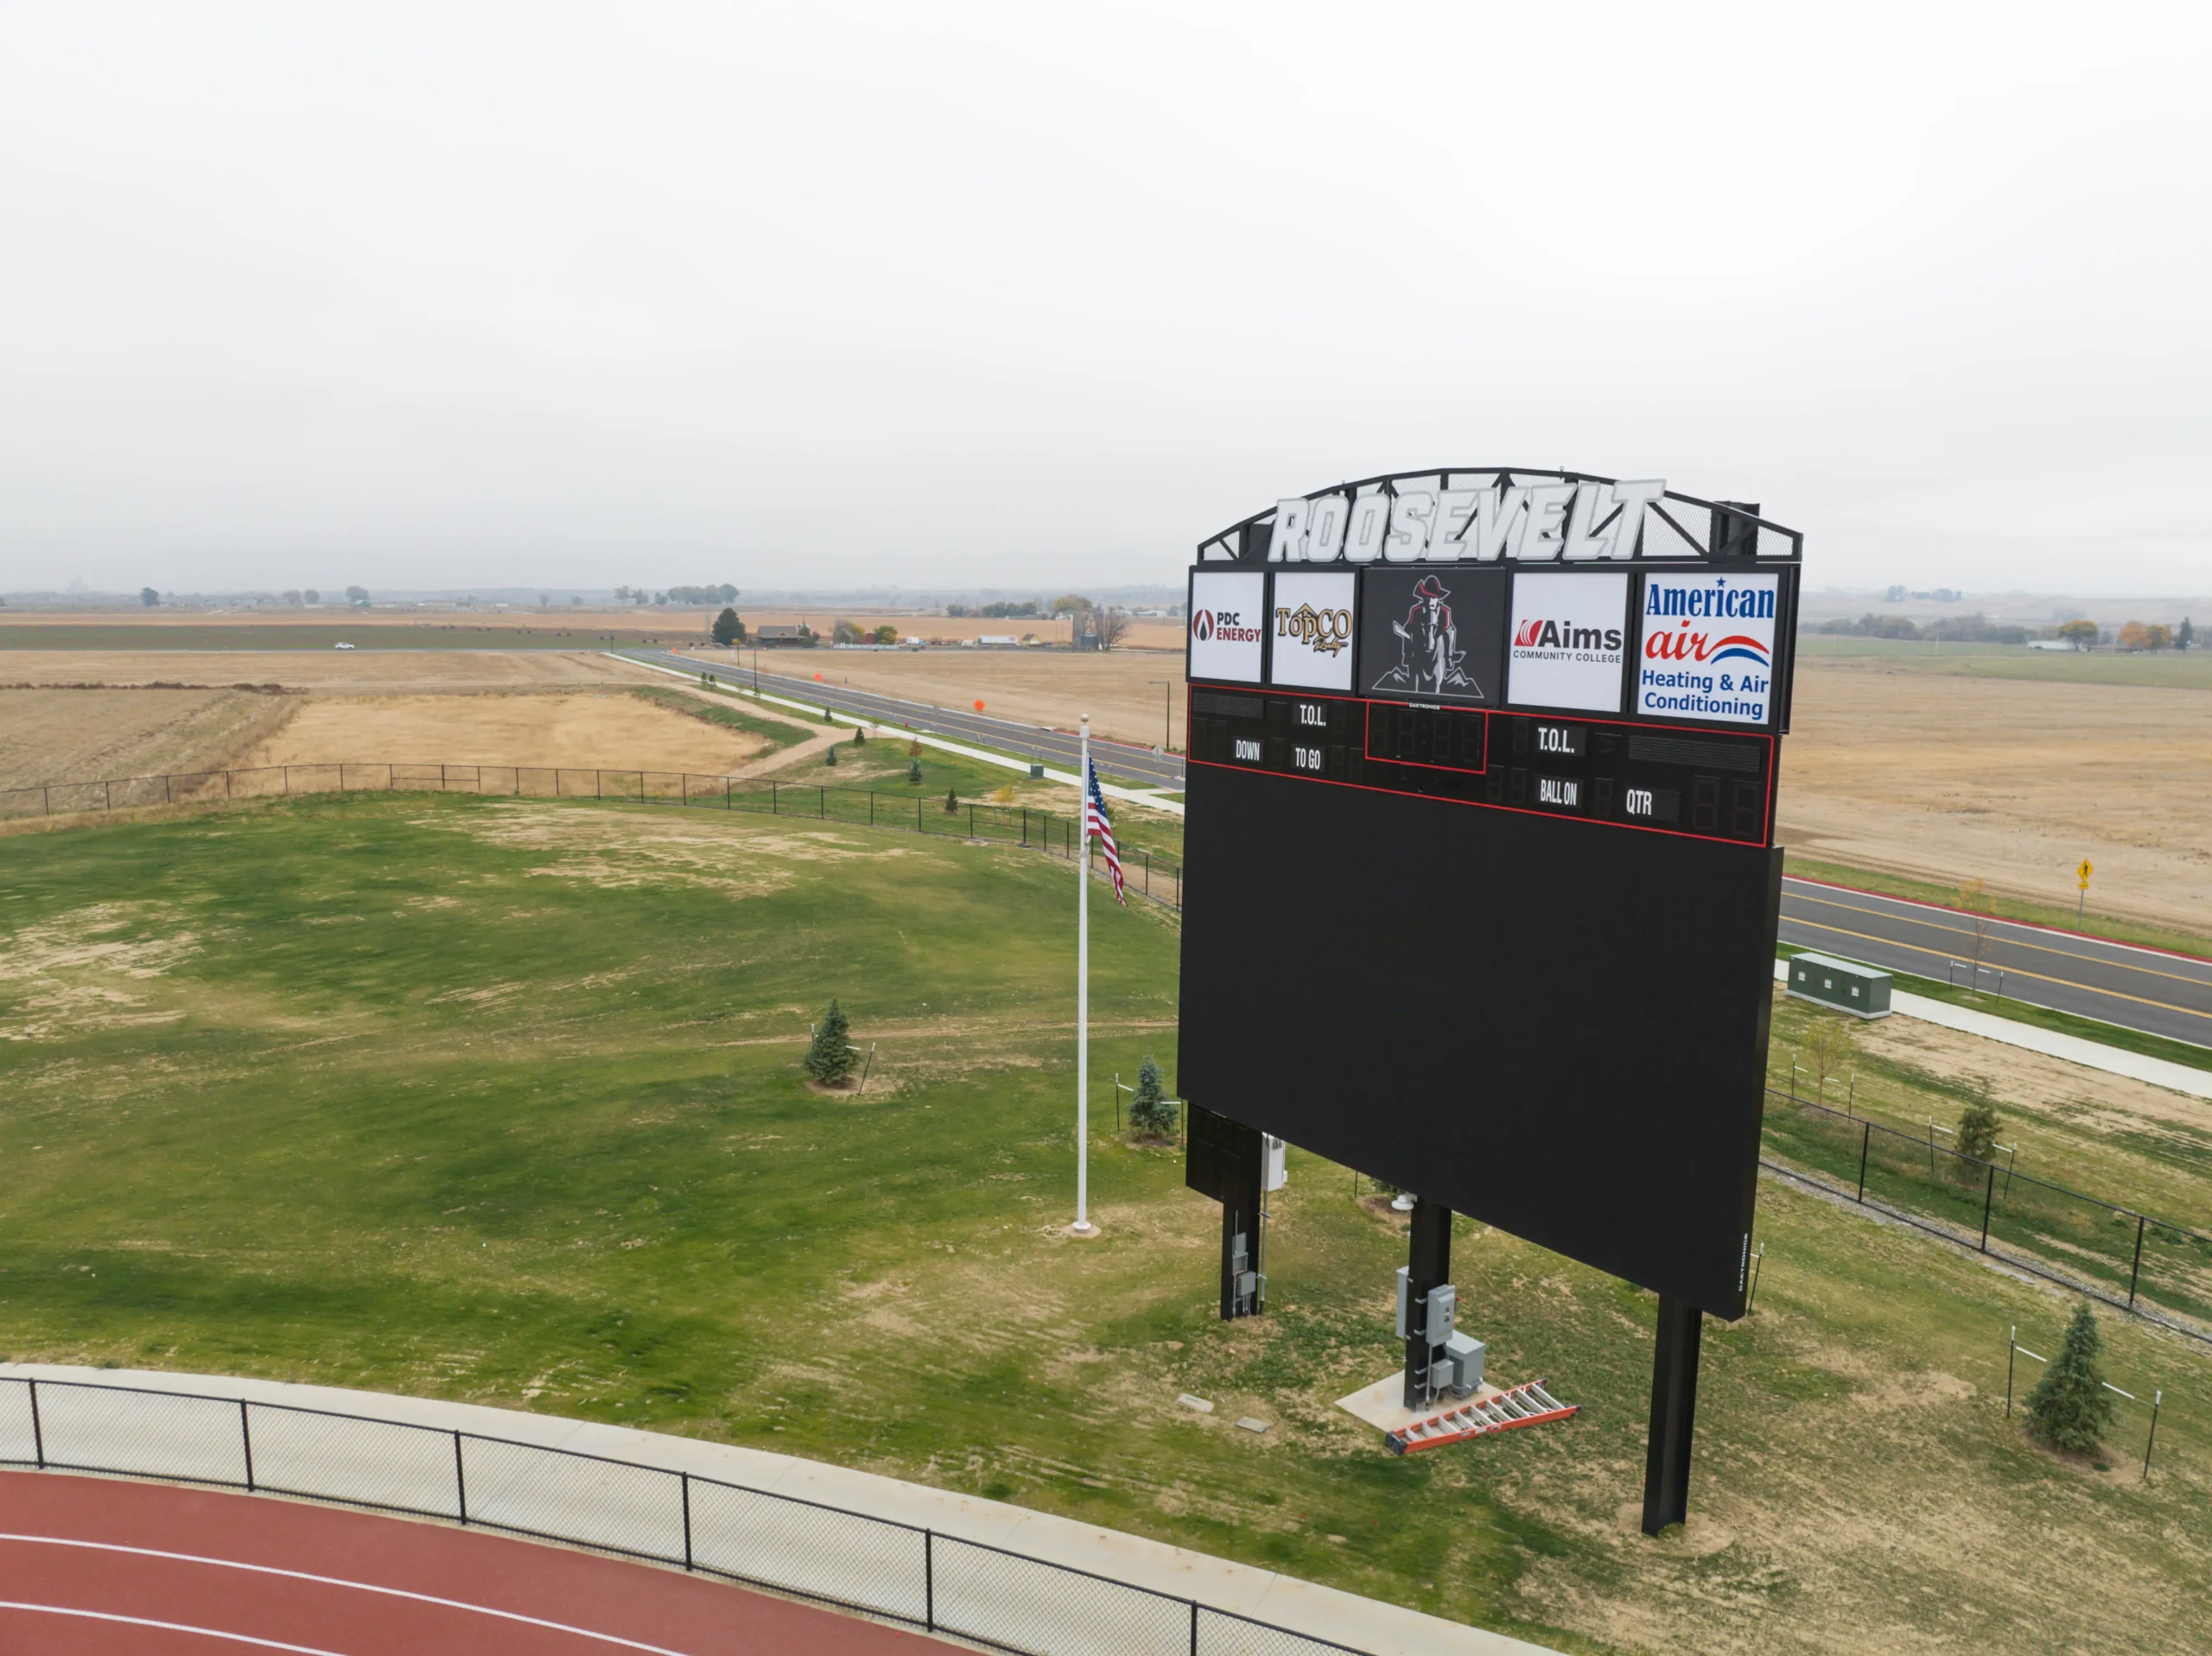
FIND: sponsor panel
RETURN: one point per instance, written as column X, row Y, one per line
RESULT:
column 1705, row 649
column 1567, row 641
column 1228, row 620
column 1433, row 635
column 1311, row 631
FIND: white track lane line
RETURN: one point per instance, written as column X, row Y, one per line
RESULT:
column 170, row 1626
column 323, row 1581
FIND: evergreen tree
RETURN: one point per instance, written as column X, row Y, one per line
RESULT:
column 830, row 1060
column 860, row 735
column 914, row 772
column 830, row 758
column 952, row 801
column 728, row 630
column 1977, row 1129
column 2070, row 1407
column 1150, row 1114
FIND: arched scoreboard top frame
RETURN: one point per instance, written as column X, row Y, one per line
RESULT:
column 1576, row 516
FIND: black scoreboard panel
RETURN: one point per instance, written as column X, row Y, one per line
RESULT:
column 1492, row 915
column 1693, row 782
column 1557, row 1027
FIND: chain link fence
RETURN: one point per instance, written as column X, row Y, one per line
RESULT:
column 893, row 1571
column 2135, row 1261
column 1147, row 873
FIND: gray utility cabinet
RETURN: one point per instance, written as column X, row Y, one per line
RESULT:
column 1845, row 985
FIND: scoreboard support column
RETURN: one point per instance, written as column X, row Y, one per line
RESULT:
column 1674, row 1407
column 1227, row 1161
column 1428, row 1265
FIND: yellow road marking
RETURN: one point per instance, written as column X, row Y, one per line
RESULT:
column 2010, row 942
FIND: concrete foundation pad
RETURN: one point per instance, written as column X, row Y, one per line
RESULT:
column 1380, row 1406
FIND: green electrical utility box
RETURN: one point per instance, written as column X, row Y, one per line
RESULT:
column 1845, row 985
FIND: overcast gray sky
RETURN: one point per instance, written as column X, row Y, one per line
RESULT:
column 849, row 293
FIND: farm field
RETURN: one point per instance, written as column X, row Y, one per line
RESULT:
column 499, row 1100
column 420, row 672
column 613, row 727
column 48, row 735
column 1951, row 777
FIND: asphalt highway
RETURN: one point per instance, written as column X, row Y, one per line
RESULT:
column 1116, row 761
column 2136, row 988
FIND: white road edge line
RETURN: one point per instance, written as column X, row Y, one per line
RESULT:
column 1142, row 797
column 324, row 1581
column 2090, row 1055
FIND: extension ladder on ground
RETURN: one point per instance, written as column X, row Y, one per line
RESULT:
column 1527, row 1404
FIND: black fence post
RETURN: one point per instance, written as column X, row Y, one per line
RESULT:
column 821, row 802
column 685, row 1477
column 1194, row 1627
column 929, row 1581
column 1866, row 1138
column 38, row 1430
column 245, row 1437
column 459, row 1480
column 775, row 806
column 2135, row 1272
column 1988, row 1195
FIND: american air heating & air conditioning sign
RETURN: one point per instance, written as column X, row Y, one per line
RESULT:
column 1707, row 648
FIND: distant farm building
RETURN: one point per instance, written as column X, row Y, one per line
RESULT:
column 780, row 638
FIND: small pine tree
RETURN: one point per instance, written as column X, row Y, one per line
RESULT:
column 2070, row 1407
column 830, row 1060
column 914, row 772
column 860, row 735
column 830, row 758
column 1977, row 1129
column 952, row 801
column 1150, row 1114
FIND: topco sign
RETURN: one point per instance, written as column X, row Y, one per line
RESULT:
column 1534, row 523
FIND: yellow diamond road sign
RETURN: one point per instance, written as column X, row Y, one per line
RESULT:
column 2085, row 871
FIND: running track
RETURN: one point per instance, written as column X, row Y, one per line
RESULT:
column 1115, row 759
column 99, row 1567
column 2145, row 989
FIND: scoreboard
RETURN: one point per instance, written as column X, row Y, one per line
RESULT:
column 1482, row 889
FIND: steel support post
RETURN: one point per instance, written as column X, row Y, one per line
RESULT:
column 1428, row 1265
column 1673, row 1409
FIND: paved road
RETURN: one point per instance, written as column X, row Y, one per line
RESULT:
column 2136, row 988
column 1056, row 747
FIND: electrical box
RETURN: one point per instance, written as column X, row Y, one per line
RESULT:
column 1465, row 1356
column 1845, row 985
column 1273, row 1177
column 1443, row 1307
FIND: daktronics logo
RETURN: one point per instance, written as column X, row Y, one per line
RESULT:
column 1536, row 634
column 1228, row 626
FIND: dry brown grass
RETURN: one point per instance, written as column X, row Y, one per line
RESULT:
column 1958, row 778
column 609, row 729
column 420, row 672
column 79, row 735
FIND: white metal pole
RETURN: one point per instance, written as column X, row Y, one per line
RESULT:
column 1083, row 995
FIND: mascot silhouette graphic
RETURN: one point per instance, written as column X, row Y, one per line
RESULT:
column 1429, row 659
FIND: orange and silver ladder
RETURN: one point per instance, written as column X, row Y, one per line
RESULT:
column 1526, row 1405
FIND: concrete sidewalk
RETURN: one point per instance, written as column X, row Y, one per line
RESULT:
column 2113, row 1060
column 1298, row 1606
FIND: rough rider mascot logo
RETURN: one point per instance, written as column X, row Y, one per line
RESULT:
column 1429, row 656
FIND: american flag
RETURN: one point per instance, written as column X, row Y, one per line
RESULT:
column 1093, row 821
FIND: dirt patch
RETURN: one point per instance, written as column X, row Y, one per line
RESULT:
column 610, row 729
column 79, row 972
column 69, row 735
column 1955, row 778
column 2023, row 1077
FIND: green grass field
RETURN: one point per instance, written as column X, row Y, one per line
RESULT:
column 499, row 1100
column 2162, row 669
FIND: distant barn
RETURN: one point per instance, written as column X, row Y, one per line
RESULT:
column 776, row 638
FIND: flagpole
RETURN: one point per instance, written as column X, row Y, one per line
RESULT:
column 1082, row 1226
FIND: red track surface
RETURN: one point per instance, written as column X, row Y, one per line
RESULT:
column 96, row 1567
